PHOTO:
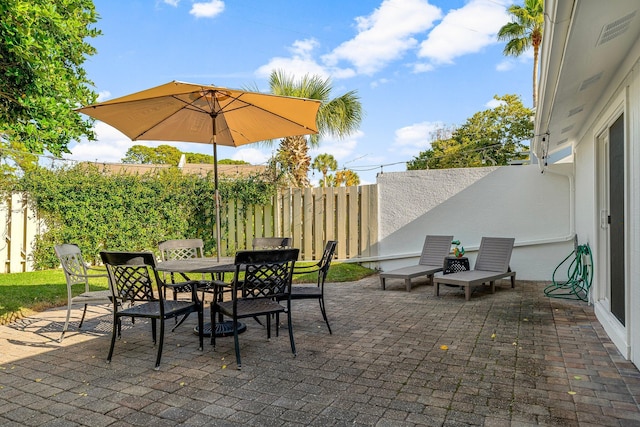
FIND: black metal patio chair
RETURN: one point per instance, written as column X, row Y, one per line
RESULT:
column 261, row 279
column 316, row 291
column 133, row 276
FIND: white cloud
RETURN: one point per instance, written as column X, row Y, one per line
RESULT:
column 493, row 103
column 385, row 35
column 410, row 140
column 103, row 95
column 341, row 149
column 505, row 65
column 423, row 68
column 209, row 9
column 110, row 147
column 173, row 3
column 300, row 63
column 251, row 155
column 465, row 30
column 379, row 82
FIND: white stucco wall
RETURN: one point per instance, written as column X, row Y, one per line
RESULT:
column 513, row 201
column 622, row 98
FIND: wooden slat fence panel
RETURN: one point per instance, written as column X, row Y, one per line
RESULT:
column 19, row 227
column 307, row 222
column 310, row 216
column 342, row 219
column 319, row 234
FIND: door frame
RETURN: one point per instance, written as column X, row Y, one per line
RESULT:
column 619, row 333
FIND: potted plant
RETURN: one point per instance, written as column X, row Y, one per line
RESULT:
column 458, row 252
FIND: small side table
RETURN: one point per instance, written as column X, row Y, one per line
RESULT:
column 454, row 264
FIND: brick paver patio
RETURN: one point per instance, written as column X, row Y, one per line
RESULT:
column 395, row 358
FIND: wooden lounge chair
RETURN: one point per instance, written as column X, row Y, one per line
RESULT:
column 431, row 261
column 492, row 264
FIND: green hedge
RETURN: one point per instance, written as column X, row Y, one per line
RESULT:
column 103, row 211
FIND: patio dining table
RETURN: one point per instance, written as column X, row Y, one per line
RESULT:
column 205, row 266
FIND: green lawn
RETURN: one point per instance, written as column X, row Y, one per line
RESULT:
column 24, row 293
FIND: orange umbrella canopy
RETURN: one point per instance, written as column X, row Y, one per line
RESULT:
column 188, row 112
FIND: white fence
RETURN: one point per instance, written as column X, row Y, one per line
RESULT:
column 19, row 227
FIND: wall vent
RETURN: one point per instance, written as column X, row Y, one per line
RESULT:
column 567, row 129
column 576, row 110
column 615, row 28
column 591, row 80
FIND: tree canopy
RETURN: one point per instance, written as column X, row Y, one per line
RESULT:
column 170, row 155
column 492, row 137
column 323, row 163
column 43, row 45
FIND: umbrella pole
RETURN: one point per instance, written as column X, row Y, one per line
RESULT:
column 215, row 184
column 217, row 196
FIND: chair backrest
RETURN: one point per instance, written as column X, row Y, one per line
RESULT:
column 325, row 261
column 181, row 249
column 494, row 254
column 435, row 249
column 132, row 275
column 264, row 273
column 271, row 243
column 73, row 265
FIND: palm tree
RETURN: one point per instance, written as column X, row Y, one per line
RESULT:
column 324, row 163
column 338, row 117
column 346, row 176
column 523, row 32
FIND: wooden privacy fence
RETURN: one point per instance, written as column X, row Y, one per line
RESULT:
column 18, row 229
column 311, row 216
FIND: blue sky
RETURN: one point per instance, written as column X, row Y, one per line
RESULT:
column 416, row 64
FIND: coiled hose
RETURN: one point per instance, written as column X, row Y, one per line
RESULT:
column 579, row 272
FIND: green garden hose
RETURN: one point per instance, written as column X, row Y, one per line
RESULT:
column 579, row 272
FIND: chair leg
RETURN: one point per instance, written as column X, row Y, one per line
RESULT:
column 236, row 343
column 269, row 326
column 84, row 313
column 324, row 313
column 153, row 331
column 180, row 322
column 212, row 314
column 382, row 282
column 116, row 331
column 160, row 343
column 290, row 323
column 200, row 328
column 66, row 323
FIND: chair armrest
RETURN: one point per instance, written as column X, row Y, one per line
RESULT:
column 89, row 276
column 304, row 269
column 100, row 272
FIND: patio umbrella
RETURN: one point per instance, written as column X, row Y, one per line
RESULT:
column 187, row 112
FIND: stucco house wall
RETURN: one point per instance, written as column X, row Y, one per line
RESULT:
column 621, row 99
column 511, row 201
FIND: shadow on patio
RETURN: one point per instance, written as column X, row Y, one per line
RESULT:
column 395, row 358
